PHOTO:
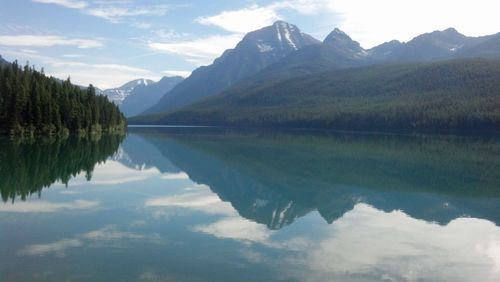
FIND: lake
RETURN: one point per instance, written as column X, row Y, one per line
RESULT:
column 207, row 204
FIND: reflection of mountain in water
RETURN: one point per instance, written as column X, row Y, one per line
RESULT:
column 27, row 168
column 275, row 178
column 137, row 153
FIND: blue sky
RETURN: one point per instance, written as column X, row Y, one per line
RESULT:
column 108, row 43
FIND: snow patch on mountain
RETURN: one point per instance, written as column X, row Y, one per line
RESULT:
column 263, row 47
column 117, row 95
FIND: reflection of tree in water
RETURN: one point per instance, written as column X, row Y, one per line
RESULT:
column 27, row 168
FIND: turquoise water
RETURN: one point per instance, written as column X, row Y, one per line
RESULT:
column 205, row 204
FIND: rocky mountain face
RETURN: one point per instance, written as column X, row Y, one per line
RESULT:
column 118, row 95
column 257, row 50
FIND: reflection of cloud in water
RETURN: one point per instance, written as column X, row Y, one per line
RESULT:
column 47, row 207
column 113, row 173
column 394, row 246
column 202, row 200
column 58, row 247
column 105, row 235
column 174, row 176
column 236, row 228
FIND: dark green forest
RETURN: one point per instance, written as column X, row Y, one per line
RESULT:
column 33, row 104
column 28, row 167
column 449, row 95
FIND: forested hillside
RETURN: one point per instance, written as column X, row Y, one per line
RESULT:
column 463, row 94
column 32, row 103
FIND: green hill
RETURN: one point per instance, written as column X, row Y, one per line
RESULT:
column 460, row 94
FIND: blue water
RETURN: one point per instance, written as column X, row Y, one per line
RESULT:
column 206, row 204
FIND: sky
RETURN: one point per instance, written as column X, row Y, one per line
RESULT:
column 108, row 43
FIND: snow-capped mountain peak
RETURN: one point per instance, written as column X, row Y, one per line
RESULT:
column 117, row 95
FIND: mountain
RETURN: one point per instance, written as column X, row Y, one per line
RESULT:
column 117, row 95
column 436, row 45
column 3, row 61
column 489, row 48
column 257, row 50
column 337, row 51
column 458, row 94
column 145, row 95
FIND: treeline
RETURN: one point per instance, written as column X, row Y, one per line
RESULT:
column 27, row 168
column 32, row 103
column 452, row 95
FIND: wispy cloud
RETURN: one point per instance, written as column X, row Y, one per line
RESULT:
column 83, row 73
column 117, row 14
column 112, row 11
column 242, row 21
column 72, row 4
column 199, row 51
column 255, row 16
column 104, row 236
column 47, row 207
column 47, row 41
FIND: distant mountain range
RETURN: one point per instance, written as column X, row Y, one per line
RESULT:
column 297, row 59
column 118, row 95
column 138, row 95
column 142, row 97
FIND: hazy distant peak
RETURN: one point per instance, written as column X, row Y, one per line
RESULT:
column 337, row 35
column 340, row 40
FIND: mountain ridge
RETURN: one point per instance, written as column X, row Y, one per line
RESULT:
column 257, row 50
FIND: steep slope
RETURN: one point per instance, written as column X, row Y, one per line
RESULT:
column 488, row 48
column 3, row 61
column 337, row 51
column 256, row 51
column 462, row 94
column 117, row 95
column 144, row 96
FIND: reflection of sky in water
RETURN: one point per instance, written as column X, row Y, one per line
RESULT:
column 138, row 223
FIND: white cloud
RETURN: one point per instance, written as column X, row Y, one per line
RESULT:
column 82, row 73
column 177, row 73
column 374, row 22
column 244, row 20
column 47, row 41
column 46, row 207
column 254, row 17
column 113, row 173
column 199, row 51
column 112, row 11
column 116, row 14
column 371, row 22
column 73, row 55
column 65, row 3
column 31, row 51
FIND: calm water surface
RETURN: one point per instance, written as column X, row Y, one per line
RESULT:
column 206, row 204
